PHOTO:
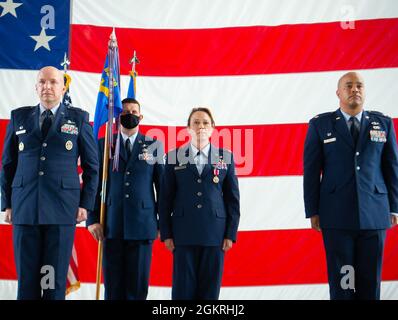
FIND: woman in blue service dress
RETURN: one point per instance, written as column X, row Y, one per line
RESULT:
column 199, row 210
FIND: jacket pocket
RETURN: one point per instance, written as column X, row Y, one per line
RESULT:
column 220, row 213
column 381, row 188
column 69, row 183
column 17, row 182
column 147, row 204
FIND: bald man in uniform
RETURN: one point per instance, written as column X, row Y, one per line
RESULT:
column 40, row 186
column 351, row 189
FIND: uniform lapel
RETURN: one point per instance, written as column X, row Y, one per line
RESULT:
column 137, row 147
column 191, row 162
column 57, row 120
column 364, row 130
column 122, row 149
column 35, row 116
column 342, row 128
column 212, row 159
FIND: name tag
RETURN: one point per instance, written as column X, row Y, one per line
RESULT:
column 180, row 167
column 329, row 140
column 20, row 132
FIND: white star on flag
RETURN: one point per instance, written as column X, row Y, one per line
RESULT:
column 42, row 40
column 9, row 7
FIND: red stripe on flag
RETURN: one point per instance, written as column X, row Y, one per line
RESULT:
column 259, row 150
column 261, row 49
column 274, row 150
column 7, row 265
column 259, row 258
column 74, row 266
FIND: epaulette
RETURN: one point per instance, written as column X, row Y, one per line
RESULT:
column 149, row 139
column 75, row 109
column 25, row 108
column 378, row 113
column 322, row 115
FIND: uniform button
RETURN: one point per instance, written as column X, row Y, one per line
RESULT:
column 127, row 184
column 44, row 144
column 358, row 168
column 199, row 180
column 127, row 172
column 41, row 173
column 42, row 158
column 357, row 153
column 127, row 196
column 199, row 193
column 199, row 206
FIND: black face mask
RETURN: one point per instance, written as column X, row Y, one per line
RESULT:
column 129, row 120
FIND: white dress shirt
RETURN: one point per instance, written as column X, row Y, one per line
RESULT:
column 200, row 157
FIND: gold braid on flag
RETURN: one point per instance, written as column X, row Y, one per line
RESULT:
column 73, row 287
column 68, row 80
column 134, row 74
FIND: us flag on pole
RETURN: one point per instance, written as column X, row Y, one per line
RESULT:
column 72, row 281
column 265, row 68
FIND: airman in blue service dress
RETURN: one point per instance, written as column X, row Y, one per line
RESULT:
column 40, row 183
column 198, row 211
column 131, row 223
column 351, row 183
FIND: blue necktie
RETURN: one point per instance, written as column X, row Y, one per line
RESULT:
column 128, row 148
column 47, row 121
column 199, row 165
column 354, row 129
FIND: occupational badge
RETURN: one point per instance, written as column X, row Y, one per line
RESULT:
column 68, row 145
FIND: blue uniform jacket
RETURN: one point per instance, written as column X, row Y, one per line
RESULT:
column 131, row 205
column 39, row 179
column 194, row 210
column 351, row 187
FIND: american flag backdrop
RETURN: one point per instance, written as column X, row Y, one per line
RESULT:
column 265, row 68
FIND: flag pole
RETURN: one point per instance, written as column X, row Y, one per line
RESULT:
column 102, row 211
column 112, row 44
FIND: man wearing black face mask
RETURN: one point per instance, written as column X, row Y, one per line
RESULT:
column 131, row 209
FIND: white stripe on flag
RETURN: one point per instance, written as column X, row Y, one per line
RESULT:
column 389, row 291
column 182, row 14
column 281, row 205
column 237, row 100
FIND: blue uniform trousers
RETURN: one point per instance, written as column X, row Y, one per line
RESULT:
column 38, row 246
column 197, row 272
column 126, row 268
column 361, row 249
